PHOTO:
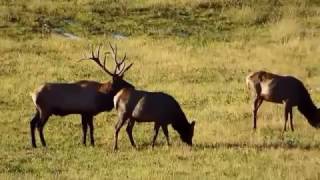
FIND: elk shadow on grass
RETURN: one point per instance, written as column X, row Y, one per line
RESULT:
column 258, row 146
column 146, row 145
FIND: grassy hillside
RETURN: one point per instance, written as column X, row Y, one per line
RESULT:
column 197, row 51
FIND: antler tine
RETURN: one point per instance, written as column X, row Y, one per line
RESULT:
column 116, row 53
column 125, row 69
column 92, row 51
column 110, row 45
column 118, row 64
column 113, row 52
column 122, row 62
column 99, row 50
column 96, row 59
column 116, row 69
column 124, row 58
column 121, row 68
column 104, row 59
column 84, row 55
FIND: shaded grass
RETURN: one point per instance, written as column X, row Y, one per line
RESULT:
column 203, row 20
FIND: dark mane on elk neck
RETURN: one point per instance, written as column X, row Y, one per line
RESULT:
column 87, row 98
column 181, row 124
column 308, row 108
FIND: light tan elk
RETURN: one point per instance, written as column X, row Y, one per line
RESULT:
column 282, row 89
column 142, row 106
column 87, row 98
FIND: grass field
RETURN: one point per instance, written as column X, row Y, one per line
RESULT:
column 198, row 51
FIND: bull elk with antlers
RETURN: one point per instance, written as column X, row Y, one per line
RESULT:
column 87, row 98
column 282, row 89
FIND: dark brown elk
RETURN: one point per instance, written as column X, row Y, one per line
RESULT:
column 142, row 106
column 87, row 98
column 282, row 89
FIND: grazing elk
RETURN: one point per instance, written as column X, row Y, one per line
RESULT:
column 142, row 106
column 282, row 89
column 87, row 98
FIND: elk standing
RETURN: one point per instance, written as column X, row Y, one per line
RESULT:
column 87, row 98
column 282, row 89
column 142, row 106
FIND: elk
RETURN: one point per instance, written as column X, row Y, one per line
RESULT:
column 142, row 106
column 282, row 89
column 87, row 98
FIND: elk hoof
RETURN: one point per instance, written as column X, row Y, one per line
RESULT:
column 115, row 149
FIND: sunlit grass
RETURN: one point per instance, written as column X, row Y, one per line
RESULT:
column 209, row 84
column 203, row 70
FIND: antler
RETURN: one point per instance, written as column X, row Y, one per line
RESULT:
column 120, row 67
column 96, row 59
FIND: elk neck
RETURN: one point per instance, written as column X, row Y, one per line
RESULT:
column 180, row 123
column 308, row 108
column 108, row 91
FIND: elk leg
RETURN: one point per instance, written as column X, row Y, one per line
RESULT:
column 285, row 121
column 41, row 124
column 287, row 109
column 33, row 124
column 256, row 104
column 129, row 131
column 90, row 123
column 156, row 130
column 291, row 119
column 118, row 126
column 84, row 124
column 166, row 133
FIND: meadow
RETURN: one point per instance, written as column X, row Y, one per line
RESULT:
column 198, row 51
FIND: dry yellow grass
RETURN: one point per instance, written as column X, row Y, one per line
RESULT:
column 204, row 73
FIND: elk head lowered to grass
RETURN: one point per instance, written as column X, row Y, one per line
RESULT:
column 142, row 106
column 282, row 89
column 87, row 98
